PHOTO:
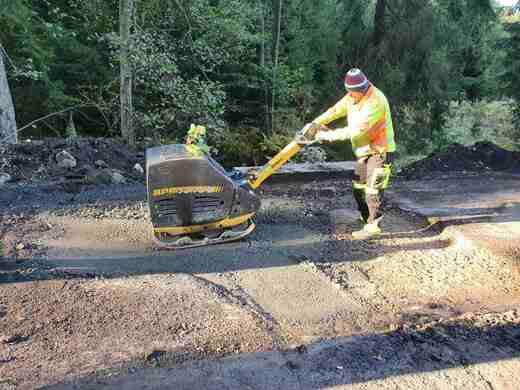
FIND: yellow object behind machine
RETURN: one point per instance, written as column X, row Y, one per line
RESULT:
column 275, row 163
column 304, row 137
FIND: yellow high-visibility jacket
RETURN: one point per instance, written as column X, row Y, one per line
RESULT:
column 370, row 127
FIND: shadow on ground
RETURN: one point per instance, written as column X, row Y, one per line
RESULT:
column 400, row 356
column 442, row 218
column 216, row 259
column 271, row 245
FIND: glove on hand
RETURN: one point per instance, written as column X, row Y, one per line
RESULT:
column 324, row 136
column 307, row 135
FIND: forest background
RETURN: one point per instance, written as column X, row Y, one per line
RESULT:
column 253, row 72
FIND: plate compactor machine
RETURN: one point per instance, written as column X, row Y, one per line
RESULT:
column 194, row 202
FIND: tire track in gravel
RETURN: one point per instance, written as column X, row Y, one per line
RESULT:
column 303, row 304
column 356, row 282
column 226, row 287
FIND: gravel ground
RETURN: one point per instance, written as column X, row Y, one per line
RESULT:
column 54, row 328
column 83, row 294
column 470, row 351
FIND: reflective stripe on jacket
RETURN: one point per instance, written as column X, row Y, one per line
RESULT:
column 370, row 125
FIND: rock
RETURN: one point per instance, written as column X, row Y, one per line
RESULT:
column 67, row 164
column 12, row 339
column 100, row 164
column 118, row 178
column 65, row 160
column 313, row 155
column 87, row 170
column 103, row 177
column 155, row 357
column 138, row 168
column 34, row 142
column 107, row 176
column 301, row 348
column 4, row 178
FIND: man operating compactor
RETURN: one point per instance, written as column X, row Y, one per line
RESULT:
column 371, row 132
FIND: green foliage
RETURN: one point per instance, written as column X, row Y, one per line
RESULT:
column 511, row 74
column 240, row 147
column 465, row 122
column 184, row 55
column 165, row 95
column 416, row 129
column 23, row 35
column 271, row 145
column 516, row 120
column 54, row 52
column 210, row 62
column 469, row 122
column 313, row 43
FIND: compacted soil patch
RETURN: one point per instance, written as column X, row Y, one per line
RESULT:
column 51, row 330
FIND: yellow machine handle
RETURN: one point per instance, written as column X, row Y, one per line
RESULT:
column 275, row 163
column 307, row 136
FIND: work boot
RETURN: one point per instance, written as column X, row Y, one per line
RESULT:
column 359, row 196
column 370, row 230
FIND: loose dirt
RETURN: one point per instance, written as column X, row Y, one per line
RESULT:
column 480, row 158
column 33, row 161
column 86, row 301
column 55, row 328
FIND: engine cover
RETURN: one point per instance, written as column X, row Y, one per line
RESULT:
column 187, row 188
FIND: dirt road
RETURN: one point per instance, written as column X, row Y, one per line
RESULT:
column 433, row 303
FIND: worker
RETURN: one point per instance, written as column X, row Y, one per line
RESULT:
column 371, row 132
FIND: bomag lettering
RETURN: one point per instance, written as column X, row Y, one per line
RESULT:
column 187, row 190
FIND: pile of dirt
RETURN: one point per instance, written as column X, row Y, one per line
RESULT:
column 481, row 157
column 111, row 161
column 91, row 160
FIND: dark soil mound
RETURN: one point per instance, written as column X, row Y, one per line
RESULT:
column 36, row 160
column 481, row 157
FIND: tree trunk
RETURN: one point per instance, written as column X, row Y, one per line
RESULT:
column 125, row 17
column 71, row 127
column 277, row 21
column 8, row 130
column 379, row 22
column 261, row 24
column 261, row 62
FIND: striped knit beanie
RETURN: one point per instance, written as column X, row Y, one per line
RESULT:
column 356, row 81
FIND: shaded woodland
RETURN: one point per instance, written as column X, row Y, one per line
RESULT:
column 254, row 71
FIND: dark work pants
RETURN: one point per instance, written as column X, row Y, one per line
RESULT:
column 368, row 199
